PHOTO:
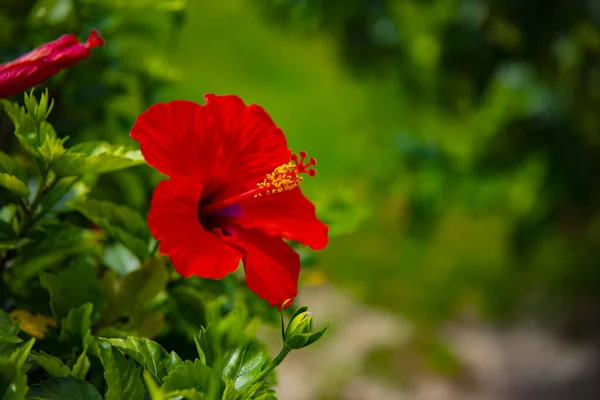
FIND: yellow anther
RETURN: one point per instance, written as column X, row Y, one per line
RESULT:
column 285, row 177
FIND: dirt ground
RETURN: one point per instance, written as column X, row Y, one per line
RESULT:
column 518, row 363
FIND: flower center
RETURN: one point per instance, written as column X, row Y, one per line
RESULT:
column 285, row 177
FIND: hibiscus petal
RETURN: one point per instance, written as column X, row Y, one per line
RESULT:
column 175, row 138
column 260, row 146
column 174, row 222
column 227, row 145
column 272, row 267
column 287, row 214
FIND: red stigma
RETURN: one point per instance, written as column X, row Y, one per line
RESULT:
column 301, row 167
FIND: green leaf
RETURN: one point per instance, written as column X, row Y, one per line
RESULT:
column 188, row 376
column 120, row 259
column 151, row 355
column 136, row 289
column 259, row 390
column 64, row 388
column 82, row 365
column 12, row 166
column 29, row 143
column 8, row 374
column 14, row 185
column 18, row 389
column 25, row 126
column 53, row 147
column 8, row 238
column 96, row 158
column 8, row 329
column 47, row 134
column 76, row 326
column 20, row 355
column 6, row 163
column 13, row 381
column 153, row 389
column 52, row 365
column 243, row 364
column 54, row 247
column 201, row 354
column 13, row 244
column 73, row 287
column 122, row 376
column 122, row 223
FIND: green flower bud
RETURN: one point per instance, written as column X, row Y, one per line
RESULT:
column 299, row 331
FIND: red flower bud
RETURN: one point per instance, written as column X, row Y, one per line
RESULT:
column 40, row 64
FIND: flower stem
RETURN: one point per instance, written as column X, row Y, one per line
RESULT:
column 276, row 361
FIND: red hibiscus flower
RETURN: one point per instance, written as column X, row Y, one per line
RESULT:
column 40, row 64
column 232, row 193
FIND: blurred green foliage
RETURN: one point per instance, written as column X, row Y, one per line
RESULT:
column 488, row 112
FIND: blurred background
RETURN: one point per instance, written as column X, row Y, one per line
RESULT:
column 458, row 148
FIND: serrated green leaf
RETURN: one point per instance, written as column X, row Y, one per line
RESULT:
column 189, row 376
column 14, row 185
column 82, row 365
column 52, row 365
column 264, row 396
column 122, row 376
column 24, row 123
column 8, row 329
column 25, row 126
column 259, row 390
column 30, row 102
column 122, row 223
column 73, row 287
column 151, row 355
column 45, row 107
column 243, row 364
column 47, row 134
column 52, row 148
column 96, row 158
column 64, row 388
